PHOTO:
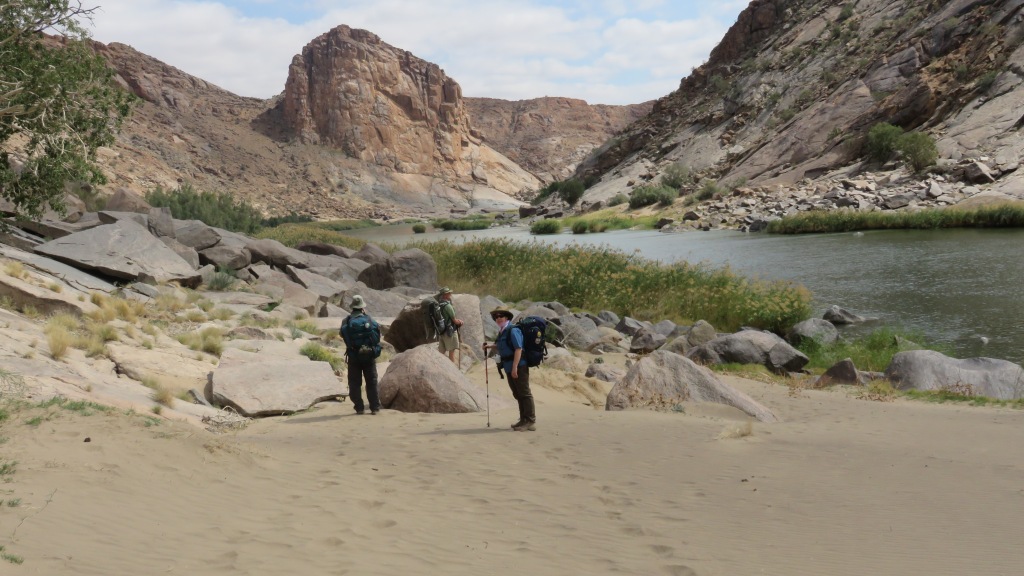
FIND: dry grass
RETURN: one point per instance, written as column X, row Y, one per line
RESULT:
column 59, row 340
column 879, row 391
column 14, row 269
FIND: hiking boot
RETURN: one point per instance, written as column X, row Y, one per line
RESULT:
column 525, row 427
column 374, row 412
column 517, row 424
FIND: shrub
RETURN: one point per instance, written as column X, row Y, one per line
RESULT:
column 291, row 218
column 580, row 227
column 221, row 280
column 59, row 340
column 647, row 195
column 882, row 141
column 550, row 226
column 419, row 228
column 571, row 191
column 214, row 209
column 918, row 149
column 986, row 81
column 618, row 199
column 708, row 190
column 845, row 13
column 676, row 176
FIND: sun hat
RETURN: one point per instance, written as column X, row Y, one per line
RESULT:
column 443, row 291
column 358, row 303
column 502, row 311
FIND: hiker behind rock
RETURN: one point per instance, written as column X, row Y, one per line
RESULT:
column 449, row 340
column 362, row 347
column 510, row 350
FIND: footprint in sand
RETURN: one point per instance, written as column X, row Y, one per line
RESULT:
column 663, row 551
column 680, row 570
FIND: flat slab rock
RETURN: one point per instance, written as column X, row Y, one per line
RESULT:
column 272, row 386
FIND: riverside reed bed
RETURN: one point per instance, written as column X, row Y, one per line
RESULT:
column 602, row 278
column 1008, row 215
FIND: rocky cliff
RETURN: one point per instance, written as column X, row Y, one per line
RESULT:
column 387, row 108
column 792, row 89
column 550, row 136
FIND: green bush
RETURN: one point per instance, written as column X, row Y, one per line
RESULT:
column 214, row 209
column 986, row 81
column 845, row 13
column 419, row 228
column 550, row 226
column 676, row 176
column 571, row 191
column 918, row 149
column 1009, row 215
column 465, row 224
column 580, row 227
column 618, row 199
column 882, row 141
column 221, row 280
column 647, row 195
column 291, row 218
column 319, row 353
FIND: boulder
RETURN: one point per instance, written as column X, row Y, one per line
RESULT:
column 371, row 254
column 604, row 372
column 226, row 256
column 818, row 329
column 837, row 315
column 327, row 289
column 124, row 200
column 195, row 234
column 123, row 250
column 630, row 326
column 112, row 216
column 842, row 372
column 274, row 253
column 750, row 347
column 563, row 360
column 663, row 379
column 578, row 333
column 412, row 267
column 700, row 333
column 325, row 249
column 186, row 253
column 421, row 380
column 931, row 370
column 646, row 341
column 270, row 385
column 160, row 222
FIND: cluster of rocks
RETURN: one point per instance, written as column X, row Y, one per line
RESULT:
column 752, row 208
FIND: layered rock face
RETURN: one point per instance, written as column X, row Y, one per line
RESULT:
column 794, row 86
column 386, row 107
column 550, row 136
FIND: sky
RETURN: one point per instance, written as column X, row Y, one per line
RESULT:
column 601, row 51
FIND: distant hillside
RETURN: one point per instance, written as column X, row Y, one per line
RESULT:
column 791, row 90
column 399, row 142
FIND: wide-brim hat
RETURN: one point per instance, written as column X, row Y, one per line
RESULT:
column 358, row 303
column 443, row 291
column 502, row 311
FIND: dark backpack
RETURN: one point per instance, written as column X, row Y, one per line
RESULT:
column 435, row 319
column 535, row 347
column 362, row 336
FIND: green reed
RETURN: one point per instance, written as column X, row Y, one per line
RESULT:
column 1007, row 215
column 602, row 278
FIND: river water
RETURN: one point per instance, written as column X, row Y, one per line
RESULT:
column 962, row 288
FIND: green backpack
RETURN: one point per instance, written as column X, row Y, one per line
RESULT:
column 362, row 337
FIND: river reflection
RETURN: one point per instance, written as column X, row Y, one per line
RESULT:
column 958, row 287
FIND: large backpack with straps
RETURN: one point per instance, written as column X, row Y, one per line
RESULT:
column 435, row 319
column 362, row 336
column 535, row 347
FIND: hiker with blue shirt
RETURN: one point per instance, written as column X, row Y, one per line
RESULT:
column 509, row 345
column 362, row 347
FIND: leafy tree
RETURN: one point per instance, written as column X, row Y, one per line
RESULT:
column 58, row 103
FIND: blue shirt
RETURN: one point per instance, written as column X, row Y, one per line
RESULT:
column 507, row 346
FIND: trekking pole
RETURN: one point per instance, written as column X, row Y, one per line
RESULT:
column 487, row 381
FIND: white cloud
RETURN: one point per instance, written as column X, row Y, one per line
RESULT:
column 497, row 48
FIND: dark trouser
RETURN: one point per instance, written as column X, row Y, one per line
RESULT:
column 521, row 392
column 357, row 371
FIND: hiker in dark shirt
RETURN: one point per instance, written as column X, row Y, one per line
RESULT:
column 362, row 346
column 509, row 344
